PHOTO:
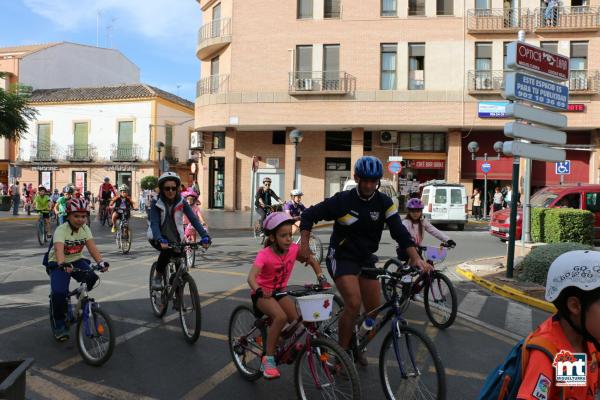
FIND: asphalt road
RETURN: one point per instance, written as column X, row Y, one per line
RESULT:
column 152, row 360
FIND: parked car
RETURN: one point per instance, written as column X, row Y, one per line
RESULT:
column 578, row 196
column 386, row 187
column 445, row 203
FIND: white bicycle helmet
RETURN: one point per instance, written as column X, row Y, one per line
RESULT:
column 579, row 268
column 169, row 176
column 124, row 188
column 296, row 192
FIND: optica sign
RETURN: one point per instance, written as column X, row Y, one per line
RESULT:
column 525, row 56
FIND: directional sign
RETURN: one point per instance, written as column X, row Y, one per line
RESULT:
column 518, row 86
column 538, row 134
column 563, row 168
column 520, row 55
column 486, row 167
column 534, row 151
column 394, row 167
column 536, row 115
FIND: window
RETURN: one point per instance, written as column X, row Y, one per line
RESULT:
column 218, row 141
column 441, row 196
column 456, row 197
column 415, row 142
column 338, row 141
column 445, row 7
column 432, row 142
column 569, row 201
column 425, row 196
column 505, row 56
column 214, row 75
column 216, row 21
column 332, row 9
column 389, row 8
column 389, row 53
column 278, row 137
column 80, row 140
column 125, row 134
column 592, row 202
column 368, row 141
column 168, row 135
column 305, row 9
column 482, row 4
column 439, row 142
column 428, row 141
column 552, row 47
column 337, row 164
column 43, row 141
column 331, row 67
column 304, row 62
column 483, row 66
column 416, row 7
column 578, row 79
column 416, row 66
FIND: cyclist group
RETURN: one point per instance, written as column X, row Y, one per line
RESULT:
column 359, row 217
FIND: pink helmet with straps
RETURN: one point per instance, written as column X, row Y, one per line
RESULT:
column 189, row 193
column 275, row 219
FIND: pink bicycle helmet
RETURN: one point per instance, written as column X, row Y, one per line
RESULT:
column 189, row 193
column 415, row 204
column 275, row 219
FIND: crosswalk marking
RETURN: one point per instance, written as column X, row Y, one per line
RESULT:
column 518, row 318
column 472, row 304
column 48, row 389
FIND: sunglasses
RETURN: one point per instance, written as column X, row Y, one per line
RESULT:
column 170, row 188
column 267, row 184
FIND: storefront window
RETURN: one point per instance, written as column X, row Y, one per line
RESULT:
column 218, row 140
column 415, row 142
column 428, row 141
column 439, row 142
column 404, row 142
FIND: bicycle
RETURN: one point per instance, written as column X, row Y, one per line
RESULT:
column 437, row 287
column 176, row 280
column 123, row 235
column 315, row 245
column 105, row 214
column 402, row 348
column 42, row 235
column 321, row 367
column 190, row 251
column 95, row 335
column 257, row 230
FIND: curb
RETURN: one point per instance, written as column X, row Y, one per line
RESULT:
column 506, row 291
column 12, row 219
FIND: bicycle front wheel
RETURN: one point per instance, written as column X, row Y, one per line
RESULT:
column 125, row 239
column 316, row 247
column 189, row 308
column 440, row 301
column 41, row 232
column 325, row 371
column 246, row 342
column 190, row 255
column 158, row 298
column 95, row 338
column 410, row 367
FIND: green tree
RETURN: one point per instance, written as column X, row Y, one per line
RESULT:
column 149, row 182
column 15, row 112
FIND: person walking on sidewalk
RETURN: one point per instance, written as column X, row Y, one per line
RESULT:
column 476, row 197
column 15, row 192
column 498, row 200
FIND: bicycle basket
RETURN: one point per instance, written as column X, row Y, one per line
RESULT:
column 316, row 307
column 435, row 254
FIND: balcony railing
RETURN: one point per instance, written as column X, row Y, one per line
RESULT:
column 212, row 84
column 131, row 152
column 172, row 154
column 321, row 82
column 212, row 37
column 584, row 82
column 498, row 20
column 44, row 152
column 567, row 19
column 81, row 153
column 485, row 81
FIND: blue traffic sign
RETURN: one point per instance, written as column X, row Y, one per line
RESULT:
column 562, row 168
column 394, row 167
column 545, row 93
column 486, row 167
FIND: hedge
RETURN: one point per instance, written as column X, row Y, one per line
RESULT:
column 537, row 224
column 563, row 225
column 149, row 182
column 534, row 267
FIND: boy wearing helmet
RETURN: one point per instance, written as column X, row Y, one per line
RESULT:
column 122, row 206
column 165, row 222
column 60, row 208
column 359, row 215
column 66, row 253
column 573, row 286
column 106, row 192
column 42, row 205
column 263, row 199
column 294, row 208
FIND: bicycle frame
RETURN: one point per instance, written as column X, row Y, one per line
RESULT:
column 181, row 268
column 83, row 308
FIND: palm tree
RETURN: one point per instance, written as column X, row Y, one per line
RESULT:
column 15, row 113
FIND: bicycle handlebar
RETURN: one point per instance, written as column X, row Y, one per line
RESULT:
column 384, row 274
column 303, row 290
column 95, row 267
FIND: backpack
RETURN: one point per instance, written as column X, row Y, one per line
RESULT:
column 503, row 382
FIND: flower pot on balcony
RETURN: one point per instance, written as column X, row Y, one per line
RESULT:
column 4, row 203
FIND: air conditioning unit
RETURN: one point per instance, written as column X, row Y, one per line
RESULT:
column 196, row 140
column 483, row 83
column 304, row 84
column 388, row 137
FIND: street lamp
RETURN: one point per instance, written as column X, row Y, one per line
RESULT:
column 296, row 137
column 159, row 146
column 473, row 148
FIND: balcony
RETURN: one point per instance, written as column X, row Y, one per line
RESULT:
column 81, row 153
column 212, row 85
column 212, row 37
column 485, row 82
column 321, row 82
column 584, row 82
column 130, row 153
column 567, row 19
column 172, row 154
column 498, row 20
column 44, row 152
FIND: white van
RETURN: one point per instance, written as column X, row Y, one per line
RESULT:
column 445, row 203
column 386, row 187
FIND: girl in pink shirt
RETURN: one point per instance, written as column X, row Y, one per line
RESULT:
column 192, row 199
column 269, row 276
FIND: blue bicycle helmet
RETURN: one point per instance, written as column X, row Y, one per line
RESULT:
column 368, row 167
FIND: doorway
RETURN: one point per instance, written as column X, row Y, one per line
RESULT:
column 337, row 172
column 124, row 178
column 216, row 182
column 79, row 178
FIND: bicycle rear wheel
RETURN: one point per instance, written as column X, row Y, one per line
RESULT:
column 316, row 247
column 190, row 314
column 440, row 301
column 41, row 232
column 410, row 367
column 325, row 371
column 158, row 298
column 246, row 342
column 96, row 339
column 125, row 238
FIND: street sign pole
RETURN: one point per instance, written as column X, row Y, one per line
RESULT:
column 512, row 231
column 485, row 205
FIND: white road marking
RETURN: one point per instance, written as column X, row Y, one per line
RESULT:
column 518, row 318
column 23, row 324
column 472, row 304
column 47, row 389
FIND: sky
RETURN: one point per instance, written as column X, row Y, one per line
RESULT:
column 159, row 36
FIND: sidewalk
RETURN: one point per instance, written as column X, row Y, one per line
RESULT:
column 8, row 216
column 490, row 273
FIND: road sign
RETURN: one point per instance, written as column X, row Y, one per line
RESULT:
column 533, row 151
column 520, row 55
column 395, row 158
column 518, row 86
column 394, row 167
column 486, row 167
column 536, row 115
column 519, row 130
column 563, row 168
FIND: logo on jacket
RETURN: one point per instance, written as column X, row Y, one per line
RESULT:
column 374, row 215
column 570, row 368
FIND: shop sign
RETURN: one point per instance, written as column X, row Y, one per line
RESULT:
column 272, row 162
column 122, row 167
column 492, row 109
column 521, row 55
column 429, row 164
column 44, row 168
column 576, row 107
